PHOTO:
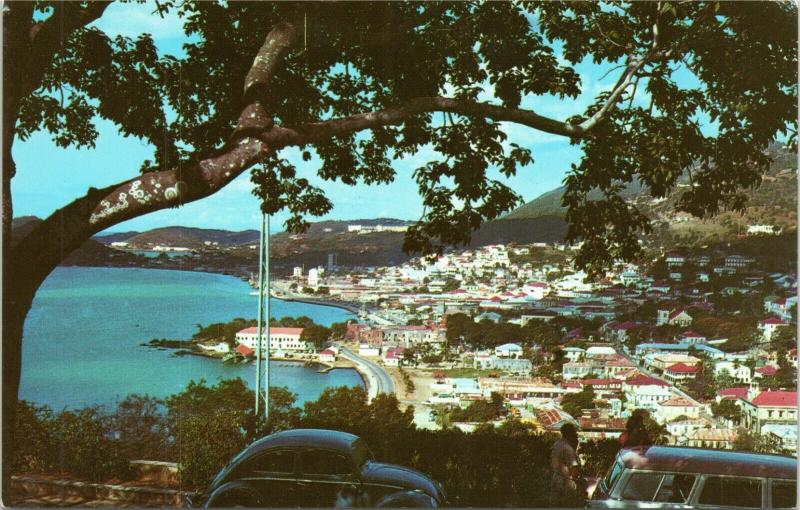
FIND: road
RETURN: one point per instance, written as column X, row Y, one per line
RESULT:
column 648, row 373
column 379, row 380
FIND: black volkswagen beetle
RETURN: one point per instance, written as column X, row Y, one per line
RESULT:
column 317, row 468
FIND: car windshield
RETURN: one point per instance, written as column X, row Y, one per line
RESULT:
column 361, row 453
column 613, row 474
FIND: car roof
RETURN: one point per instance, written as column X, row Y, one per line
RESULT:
column 707, row 461
column 318, row 438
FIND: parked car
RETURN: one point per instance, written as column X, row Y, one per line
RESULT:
column 678, row 477
column 317, row 468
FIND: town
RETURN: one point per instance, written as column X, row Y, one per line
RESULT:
column 702, row 339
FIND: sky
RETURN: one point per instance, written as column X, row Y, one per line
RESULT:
column 49, row 177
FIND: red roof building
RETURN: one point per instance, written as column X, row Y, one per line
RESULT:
column 643, row 380
column 682, row 368
column 766, row 371
column 732, row 393
column 245, row 350
column 776, row 399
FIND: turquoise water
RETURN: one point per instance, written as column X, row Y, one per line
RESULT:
column 81, row 343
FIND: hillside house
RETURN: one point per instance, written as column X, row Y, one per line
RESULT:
column 677, row 317
column 718, row 439
column 769, row 326
column 508, row 351
column 675, row 407
column 645, row 392
column 777, row 407
column 681, row 372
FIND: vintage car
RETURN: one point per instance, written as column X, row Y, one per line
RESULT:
column 316, row 468
column 678, row 477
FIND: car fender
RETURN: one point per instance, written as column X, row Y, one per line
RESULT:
column 234, row 493
column 407, row 499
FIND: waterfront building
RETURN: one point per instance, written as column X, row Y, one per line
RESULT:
column 285, row 339
column 327, row 356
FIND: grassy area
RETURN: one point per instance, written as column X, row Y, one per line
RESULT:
column 469, row 372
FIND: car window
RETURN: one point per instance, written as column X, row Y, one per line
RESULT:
column 279, row 461
column 728, row 491
column 642, row 486
column 613, row 475
column 784, row 494
column 324, row 462
column 675, row 488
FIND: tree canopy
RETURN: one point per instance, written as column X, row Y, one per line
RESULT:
column 702, row 87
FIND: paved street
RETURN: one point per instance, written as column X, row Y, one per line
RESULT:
column 379, row 380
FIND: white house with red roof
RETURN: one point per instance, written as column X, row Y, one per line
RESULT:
column 765, row 372
column 394, row 356
column 732, row 393
column 769, row 407
column 284, row 339
column 692, row 337
column 645, row 392
column 670, row 409
column 327, row 356
column 769, row 326
column 677, row 317
column 537, row 290
column 680, row 372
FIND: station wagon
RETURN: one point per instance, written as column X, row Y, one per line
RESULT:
column 678, row 477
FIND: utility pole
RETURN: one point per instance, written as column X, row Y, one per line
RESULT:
column 266, row 369
column 259, row 323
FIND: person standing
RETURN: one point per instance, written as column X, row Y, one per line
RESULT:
column 564, row 463
column 635, row 431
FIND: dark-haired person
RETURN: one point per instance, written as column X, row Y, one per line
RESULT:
column 635, row 432
column 564, row 463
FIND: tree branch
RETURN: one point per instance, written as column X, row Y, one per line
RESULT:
column 68, row 227
column 46, row 36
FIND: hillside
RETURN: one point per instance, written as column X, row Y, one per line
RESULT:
column 772, row 203
column 90, row 253
column 190, row 237
column 115, row 237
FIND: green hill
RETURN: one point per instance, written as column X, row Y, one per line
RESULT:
column 190, row 237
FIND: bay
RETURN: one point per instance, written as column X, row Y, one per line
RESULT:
column 82, row 338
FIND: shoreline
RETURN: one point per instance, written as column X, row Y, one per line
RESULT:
column 318, row 302
column 349, row 307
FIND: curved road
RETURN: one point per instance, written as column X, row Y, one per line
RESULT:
column 379, row 380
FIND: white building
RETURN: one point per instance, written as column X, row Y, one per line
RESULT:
column 777, row 407
column 508, row 351
column 313, row 278
column 645, row 392
column 284, row 339
column 675, row 407
column 763, row 229
column 769, row 326
column 537, row 290
column 297, row 272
